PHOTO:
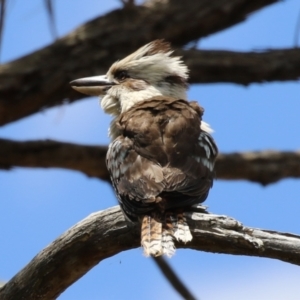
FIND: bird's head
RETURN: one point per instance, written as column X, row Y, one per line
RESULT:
column 148, row 72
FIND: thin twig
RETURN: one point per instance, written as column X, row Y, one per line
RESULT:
column 51, row 16
column 2, row 20
column 297, row 32
column 173, row 279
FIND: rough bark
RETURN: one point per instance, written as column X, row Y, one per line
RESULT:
column 106, row 233
column 39, row 80
column 263, row 167
column 243, row 68
column 89, row 160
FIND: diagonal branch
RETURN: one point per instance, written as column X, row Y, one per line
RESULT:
column 263, row 167
column 106, row 233
column 40, row 80
column 173, row 278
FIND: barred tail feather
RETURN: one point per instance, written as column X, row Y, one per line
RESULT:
column 145, row 235
column 168, row 236
column 151, row 236
column 156, row 237
column 158, row 233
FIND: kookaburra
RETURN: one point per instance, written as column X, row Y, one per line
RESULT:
column 161, row 156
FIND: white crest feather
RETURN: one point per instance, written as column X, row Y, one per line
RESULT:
column 155, row 59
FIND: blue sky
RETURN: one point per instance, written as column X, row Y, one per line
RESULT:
column 38, row 205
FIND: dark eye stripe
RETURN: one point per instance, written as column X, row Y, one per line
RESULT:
column 121, row 75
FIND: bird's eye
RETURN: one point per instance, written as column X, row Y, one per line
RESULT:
column 121, row 75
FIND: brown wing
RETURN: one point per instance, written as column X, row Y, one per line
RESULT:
column 136, row 180
column 162, row 159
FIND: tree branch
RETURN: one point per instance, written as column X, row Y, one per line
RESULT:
column 263, row 167
column 29, row 85
column 106, row 233
column 89, row 160
column 243, row 68
column 173, row 278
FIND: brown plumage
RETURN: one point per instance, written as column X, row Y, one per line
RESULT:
column 160, row 162
column 162, row 156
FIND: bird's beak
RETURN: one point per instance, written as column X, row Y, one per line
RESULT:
column 94, row 86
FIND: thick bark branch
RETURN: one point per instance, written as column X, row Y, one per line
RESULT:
column 40, row 80
column 243, row 68
column 106, row 233
column 89, row 160
column 263, row 167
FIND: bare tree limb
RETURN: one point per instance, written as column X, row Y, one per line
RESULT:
column 243, row 68
column 106, row 233
column 40, row 80
column 89, row 160
column 263, row 167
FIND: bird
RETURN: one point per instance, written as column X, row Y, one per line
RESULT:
column 161, row 156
